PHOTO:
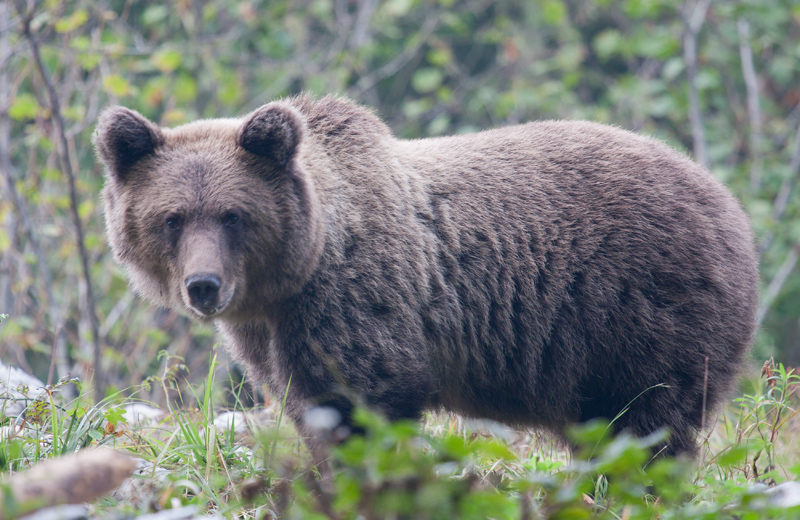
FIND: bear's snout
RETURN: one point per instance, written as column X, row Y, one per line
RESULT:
column 203, row 290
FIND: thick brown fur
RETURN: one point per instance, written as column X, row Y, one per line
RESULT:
column 540, row 274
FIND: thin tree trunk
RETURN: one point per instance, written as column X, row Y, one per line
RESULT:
column 66, row 166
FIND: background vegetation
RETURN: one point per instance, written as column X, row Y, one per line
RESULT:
column 718, row 79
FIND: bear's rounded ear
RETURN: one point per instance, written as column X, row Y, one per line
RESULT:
column 273, row 131
column 123, row 136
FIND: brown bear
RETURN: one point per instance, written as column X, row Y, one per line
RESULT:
column 539, row 275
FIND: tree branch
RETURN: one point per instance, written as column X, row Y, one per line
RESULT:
column 753, row 108
column 360, row 34
column 784, row 193
column 778, row 281
column 66, row 166
column 694, row 17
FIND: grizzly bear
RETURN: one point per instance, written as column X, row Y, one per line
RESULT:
column 539, row 275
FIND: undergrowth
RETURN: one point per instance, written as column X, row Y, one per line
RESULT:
column 440, row 469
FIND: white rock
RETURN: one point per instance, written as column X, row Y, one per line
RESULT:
column 62, row 512
column 17, row 389
column 227, row 420
column 138, row 414
column 322, row 419
column 785, row 495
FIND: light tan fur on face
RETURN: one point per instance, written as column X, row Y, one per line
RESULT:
column 206, row 254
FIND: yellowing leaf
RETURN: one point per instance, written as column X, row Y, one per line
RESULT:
column 155, row 90
column 5, row 242
column 72, row 22
column 166, row 60
column 74, row 113
column 85, row 209
column 89, row 61
column 174, row 117
column 440, row 56
column 116, row 85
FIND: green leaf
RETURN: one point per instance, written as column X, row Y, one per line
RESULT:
column 659, row 44
column 115, row 415
column 77, row 411
column 662, row 106
column 440, row 56
column 496, row 450
column 185, row 89
column 554, row 12
column 456, row 446
column 230, row 92
column 607, row 43
column 644, row 8
column 155, row 14
column 81, row 43
column 398, row 7
column 427, row 80
column 733, row 457
column 672, row 69
column 24, row 107
column 439, row 125
column 89, row 61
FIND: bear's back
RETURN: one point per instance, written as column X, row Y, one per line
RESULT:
column 575, row 251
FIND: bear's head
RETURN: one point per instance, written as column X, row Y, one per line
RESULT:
column 215, row 218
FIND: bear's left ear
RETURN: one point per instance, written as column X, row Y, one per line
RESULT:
column 273, row 131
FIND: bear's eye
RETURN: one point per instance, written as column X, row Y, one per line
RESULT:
column 173, row 223
column 231, row 219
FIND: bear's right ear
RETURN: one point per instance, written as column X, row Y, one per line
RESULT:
column 273, row 131
column 123, row 136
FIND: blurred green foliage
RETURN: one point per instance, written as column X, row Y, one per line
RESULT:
column 428, row 67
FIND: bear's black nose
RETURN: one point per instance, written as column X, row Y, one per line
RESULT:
column 203, row 290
